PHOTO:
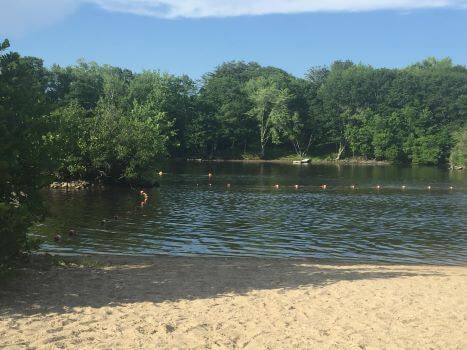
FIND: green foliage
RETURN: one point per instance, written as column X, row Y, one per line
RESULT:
column 358, row 132
column 428, row 147
column 224, row 105
column 201, row 134
column 168, row 94
column 459, row 152
column 269, row 108
column 68, row 140
column 23, row 154
column 4, row 45
column 130, row 126
column 388, row 134
column 409, row 112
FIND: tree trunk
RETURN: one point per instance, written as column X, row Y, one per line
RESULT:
column 297, row 150
column 340, row 151
column 308, row 145
column 213, row 151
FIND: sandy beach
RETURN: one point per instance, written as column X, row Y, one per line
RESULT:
column 233, row 303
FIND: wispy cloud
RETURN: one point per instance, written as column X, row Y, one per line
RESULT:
column 229, row 8
column 19, row 16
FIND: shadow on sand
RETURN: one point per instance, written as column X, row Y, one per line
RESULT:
column 120, row 280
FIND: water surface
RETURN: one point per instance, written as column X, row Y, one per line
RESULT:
column 194, row 214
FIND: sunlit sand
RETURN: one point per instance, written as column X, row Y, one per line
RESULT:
column 234, row 303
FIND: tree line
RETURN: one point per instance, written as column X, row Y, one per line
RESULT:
column 100, row 121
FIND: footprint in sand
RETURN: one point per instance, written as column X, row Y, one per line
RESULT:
column 169, row 328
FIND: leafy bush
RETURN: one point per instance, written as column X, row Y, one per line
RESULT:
column 23, row 155
column 459, row 151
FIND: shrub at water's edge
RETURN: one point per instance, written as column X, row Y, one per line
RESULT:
column 112, row 141
column 458, row 157
column 24, row 160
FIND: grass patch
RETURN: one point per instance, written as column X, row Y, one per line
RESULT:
column 250, row 156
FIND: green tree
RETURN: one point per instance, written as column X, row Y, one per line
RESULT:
column 68, row 139
column 427, row 141
column 225, row 103
column 315, row 116
column 458, row 156
column 24, row 158
column 121, row 147
column 86, row 84
column 165, row 93
column 359, row 132
column 270, row 109
column 348, row 89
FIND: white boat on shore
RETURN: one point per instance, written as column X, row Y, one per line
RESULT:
column 303, row 161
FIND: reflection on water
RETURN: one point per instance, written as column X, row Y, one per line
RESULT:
column 192, row 214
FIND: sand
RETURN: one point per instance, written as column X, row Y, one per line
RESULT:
column 234, row 303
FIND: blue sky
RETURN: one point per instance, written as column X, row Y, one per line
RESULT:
column 193, row 36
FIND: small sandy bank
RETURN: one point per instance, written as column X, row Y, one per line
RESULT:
column 234, row 303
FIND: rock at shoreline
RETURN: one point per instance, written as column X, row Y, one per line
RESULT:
column 73, row 185
column 81, row 184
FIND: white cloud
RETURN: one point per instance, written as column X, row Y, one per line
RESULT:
column 228, row 8
column 20, row 16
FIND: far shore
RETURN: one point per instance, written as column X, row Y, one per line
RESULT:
column 163, row 302
column 289, row 161
column 345, row 161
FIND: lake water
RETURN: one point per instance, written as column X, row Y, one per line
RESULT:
column 194, row 214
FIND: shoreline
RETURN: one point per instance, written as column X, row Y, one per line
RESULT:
column 103, row 256
column 108, row 301
column 289, row 161
column 345, row 161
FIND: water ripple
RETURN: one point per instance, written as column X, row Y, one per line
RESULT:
column 252, row 218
